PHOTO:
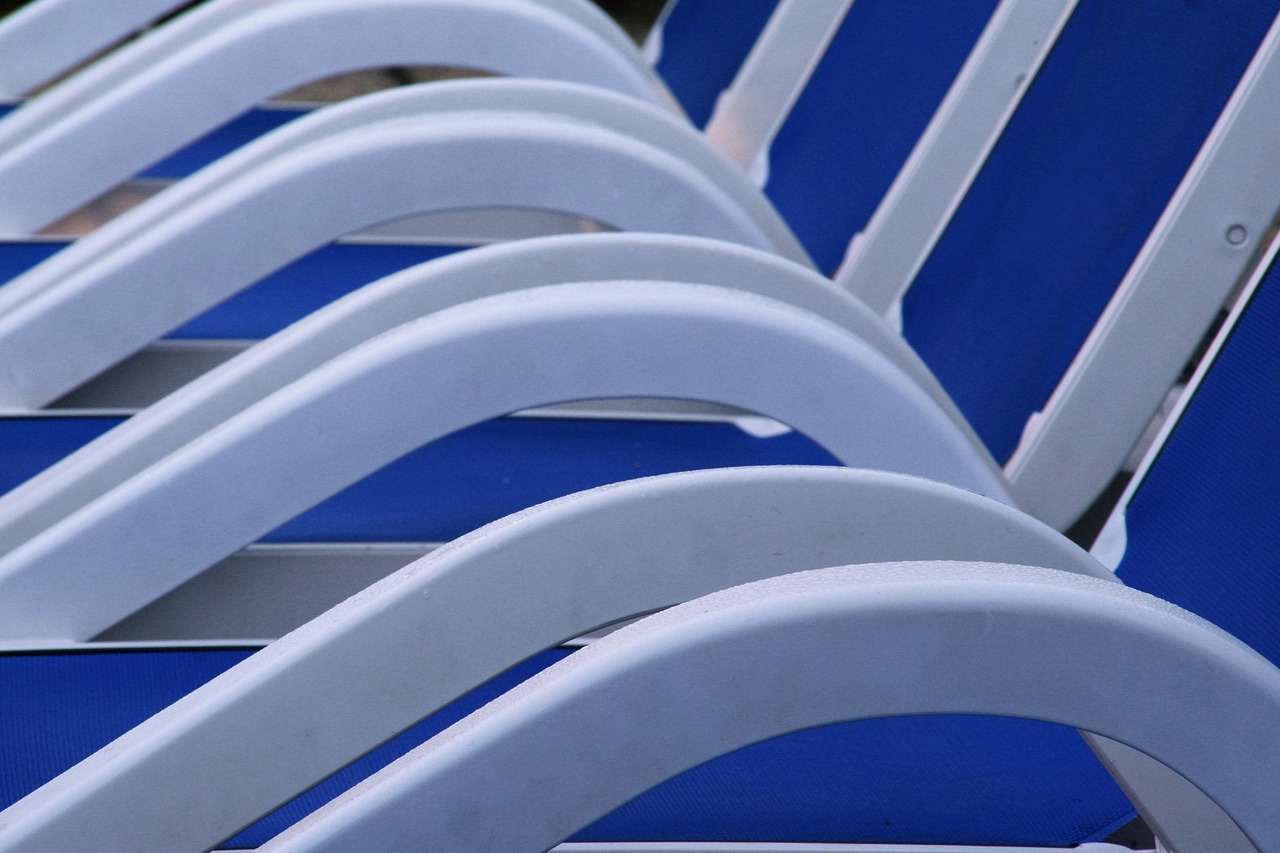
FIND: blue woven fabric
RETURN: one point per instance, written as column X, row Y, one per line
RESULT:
column 914, row 780
column 17, row 258
column 29, row 445
column 867, row 103
column 1202, row 529
column 217, row 143
column 703, row 45
column 59, row 708
column 1067, row 197
column 305, row 285
column 55, row 709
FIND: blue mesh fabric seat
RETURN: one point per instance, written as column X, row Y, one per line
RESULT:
column 1194, row 525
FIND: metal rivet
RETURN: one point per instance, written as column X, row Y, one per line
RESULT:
column 1237, row 234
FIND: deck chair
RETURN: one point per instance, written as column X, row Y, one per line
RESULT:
column 1043, row 628
column 1203, row 481
column 55, row 270
column 629, row 341
column 1192, row 527
column 665, row 179
column 820, row 513
column 185, row 61
column 47, row 39
column 165, row 74
column 1224, row 276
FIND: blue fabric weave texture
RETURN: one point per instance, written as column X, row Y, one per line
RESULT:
column 1068, row 196
column 703, row 44
column 868, row 101
column 1202, row 529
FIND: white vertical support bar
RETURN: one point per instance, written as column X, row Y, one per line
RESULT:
column 48, row 37
column 775, row 72
column 883, row 260
column 1206, row 242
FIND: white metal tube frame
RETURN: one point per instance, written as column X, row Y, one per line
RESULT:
column 45, row 38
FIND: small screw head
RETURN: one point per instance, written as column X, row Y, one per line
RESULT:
column 1237, row 234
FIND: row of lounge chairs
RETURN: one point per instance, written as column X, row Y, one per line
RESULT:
column 817, row 382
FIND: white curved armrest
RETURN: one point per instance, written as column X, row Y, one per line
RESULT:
column 613, row 720
column 47, row 37
column 232, row 237
column 182, row 416
column 458, row 367
column 154, row 48
column 55, row 157
column 606, row 109
column 381, row 661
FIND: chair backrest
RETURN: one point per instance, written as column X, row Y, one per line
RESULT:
column 1197, row 523
column 867, row 102
column 1066, row 198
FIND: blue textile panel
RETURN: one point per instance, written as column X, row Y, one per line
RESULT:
column 58, row 708
column 869, row 99
column 902, row 780
column 940, row 779
column 18, row 257
column 243, row 128
column 704, row 42
column 29, row 445
column 1068, row 196
column 1202, row 529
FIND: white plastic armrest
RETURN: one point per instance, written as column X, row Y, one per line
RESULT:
column 455, row 368
column 258, row 222
column 815, row 648
column 610, row 110
column 166, row 425
column 47, row 37
column 55, row 158
column 375, row 665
